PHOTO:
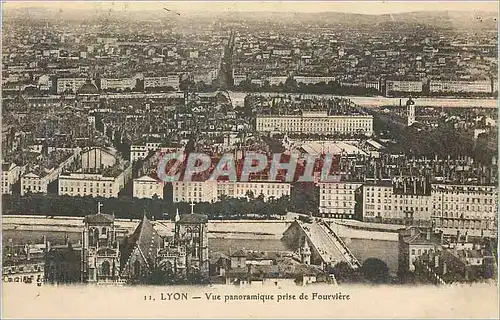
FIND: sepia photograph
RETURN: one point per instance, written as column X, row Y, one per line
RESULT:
column 249, row 159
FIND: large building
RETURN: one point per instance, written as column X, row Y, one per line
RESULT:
column 121, row 84
column 316, row 123
column 211, row 191
column 142, row 151
column 38, row 177
column 144, row 256
column 11, row 173
column 460, row 86
column 191, row 233
column 101, row 174
column 465, row 208
column 383, row 203
column 70, row 84
column 162, row 82
column 470, row 209
column 338, row 200
column 404, row 86
column 88, row 96
column 148, row 187
column 413, row 243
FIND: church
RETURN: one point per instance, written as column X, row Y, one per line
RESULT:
column 145, row 257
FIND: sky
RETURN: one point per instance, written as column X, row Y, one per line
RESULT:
column 363, row 7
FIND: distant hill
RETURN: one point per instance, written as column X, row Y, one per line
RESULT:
column 458, row 20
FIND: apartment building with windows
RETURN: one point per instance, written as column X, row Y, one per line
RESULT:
column 460, row 86
column 338, row 200
column 147, row 187
column 382, row 204
column 465, row 208
column 70, row 84
column 101, row 173
column 141, row 151
column 11, row 173
column 161, row 82
column 211, row 191
column 118, row 84
column 38, row 177
column 403, row 86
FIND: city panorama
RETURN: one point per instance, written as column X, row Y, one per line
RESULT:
column 300, row 144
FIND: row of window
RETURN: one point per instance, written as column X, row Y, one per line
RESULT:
column 248, row 186
column 466, row 208
column 337, row 186
column 337, row 198
column 84, row 183
column 338, row 192
column 386, row 207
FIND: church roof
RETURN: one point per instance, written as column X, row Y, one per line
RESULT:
column 99, row 218
column 145, row 239
column 193, row 218
column 239, row 254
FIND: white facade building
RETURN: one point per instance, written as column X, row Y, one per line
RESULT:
column 460, row 86
column 451, row 208
column 141, row 151
column 337, row 200
column 37, row 181
column 209, row 191
column 463, row 208
column 72, row 84
column 382, row 204
column 118, row 84
column 313, row 80
column 11, row 173
column 148, row 187
column 403, row 86
column 316, row 123
column 168, row 81
column 95, row 185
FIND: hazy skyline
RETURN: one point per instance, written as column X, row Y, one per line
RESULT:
column 363, row 7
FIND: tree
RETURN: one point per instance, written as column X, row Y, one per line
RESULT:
column 375, row 270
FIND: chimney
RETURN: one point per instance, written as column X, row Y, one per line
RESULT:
column 444, row 268
column 466, row 237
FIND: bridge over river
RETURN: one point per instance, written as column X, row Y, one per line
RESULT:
column 327, row 248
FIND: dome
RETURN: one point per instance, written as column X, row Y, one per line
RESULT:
column 88, row 88
column 31, row 91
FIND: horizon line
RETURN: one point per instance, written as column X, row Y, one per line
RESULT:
column 294, row 7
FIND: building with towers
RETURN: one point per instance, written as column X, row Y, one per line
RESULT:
column 410, row 109
column 101, row 249
column 144, row 256
column 191, row 234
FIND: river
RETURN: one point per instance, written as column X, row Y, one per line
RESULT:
column 363, row 249
column 238, row 98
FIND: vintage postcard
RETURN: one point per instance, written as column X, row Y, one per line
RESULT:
column 241, row 159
